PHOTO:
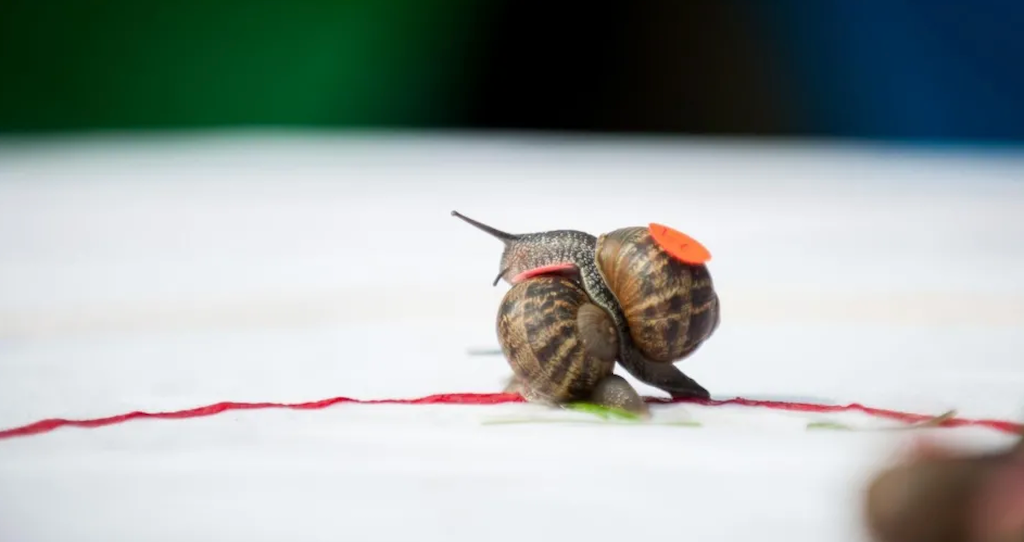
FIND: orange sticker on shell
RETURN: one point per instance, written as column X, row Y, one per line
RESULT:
column 679, row 245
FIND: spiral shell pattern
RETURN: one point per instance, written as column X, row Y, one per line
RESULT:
column 670, row 306
column 557, row 343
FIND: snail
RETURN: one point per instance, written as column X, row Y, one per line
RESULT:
column 662, row 308
column 560, row 346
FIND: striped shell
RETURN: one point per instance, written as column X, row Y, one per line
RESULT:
column 558, row 344
column 670, row 306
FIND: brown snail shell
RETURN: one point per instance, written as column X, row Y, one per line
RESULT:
column 574, row 254
column 670, row 306
column 559, row 345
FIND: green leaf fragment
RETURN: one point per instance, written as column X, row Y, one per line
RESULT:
column 829, row 425
column 517, row 421
column 604, row 412
column 484, row 352
column 680, row 423
column 930, row 422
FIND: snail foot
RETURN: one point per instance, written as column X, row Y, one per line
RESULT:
column 615, row 392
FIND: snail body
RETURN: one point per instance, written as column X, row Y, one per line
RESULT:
column 662, row 309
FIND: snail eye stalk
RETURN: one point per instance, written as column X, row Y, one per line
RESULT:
column 498, row 278
column 504, row 237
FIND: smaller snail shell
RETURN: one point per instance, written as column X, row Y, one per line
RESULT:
column 559, row 345
column 670, row 306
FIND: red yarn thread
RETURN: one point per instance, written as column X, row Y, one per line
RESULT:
column 44, row 426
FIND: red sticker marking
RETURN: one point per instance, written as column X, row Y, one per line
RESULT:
column 681, row 246
column 553, row 269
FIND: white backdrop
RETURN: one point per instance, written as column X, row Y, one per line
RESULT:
column 167, row 273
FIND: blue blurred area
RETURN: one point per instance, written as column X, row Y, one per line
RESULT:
column 904, row 69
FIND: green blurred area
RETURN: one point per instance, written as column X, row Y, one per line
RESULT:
column 70, row 65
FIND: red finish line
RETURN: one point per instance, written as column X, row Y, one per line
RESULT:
column 45, row 426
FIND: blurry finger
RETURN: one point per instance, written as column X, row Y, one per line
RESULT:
column 999, row 507
column 922, row 501
column 926, row 449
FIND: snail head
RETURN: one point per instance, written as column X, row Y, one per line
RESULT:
column 524, row 255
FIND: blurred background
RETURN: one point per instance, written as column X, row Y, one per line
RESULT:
column 885, row 69
column 290, row 270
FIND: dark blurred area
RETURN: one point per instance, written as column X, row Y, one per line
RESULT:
column 886, row 69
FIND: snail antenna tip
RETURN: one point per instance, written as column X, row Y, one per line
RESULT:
column 502, row 236
column 498, row 278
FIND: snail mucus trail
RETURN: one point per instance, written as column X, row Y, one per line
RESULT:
column 656, row 308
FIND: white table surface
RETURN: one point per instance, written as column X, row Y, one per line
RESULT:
column 167, row 273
